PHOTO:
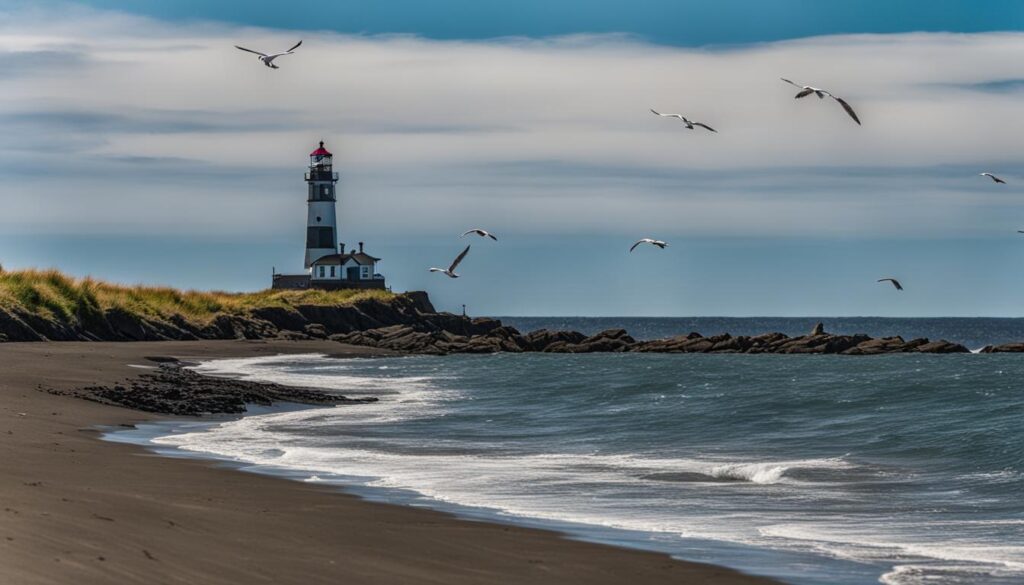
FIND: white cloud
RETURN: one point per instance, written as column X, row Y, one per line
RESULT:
column 150, row 126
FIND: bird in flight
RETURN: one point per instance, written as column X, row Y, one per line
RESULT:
column 894, row 282
column 481, row 233
column 993, row 177
column 657, row 243
column 806, row 90
column 268, row 60
column 450, row 271
column 683, row 119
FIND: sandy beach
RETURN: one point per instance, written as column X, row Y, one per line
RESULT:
column 77, row 509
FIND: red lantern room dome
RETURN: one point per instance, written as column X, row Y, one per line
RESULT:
column 321, row 152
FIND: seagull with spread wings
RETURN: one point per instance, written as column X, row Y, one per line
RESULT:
column 689, row 124
column 894, row 282
column 268, row 60
column 993, row 177
column 650, row 241
column 806, row 90
column 450, row 271
column 480, row 232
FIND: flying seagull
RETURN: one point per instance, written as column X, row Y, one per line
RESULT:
column 683, row 119
column 894, row 282
column 657, row 243
column 993, row 177
column 806, row 90
column 450, row 271
column 268, row 60
column 481, row 233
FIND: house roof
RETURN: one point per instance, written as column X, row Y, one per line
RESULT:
column 360, row 258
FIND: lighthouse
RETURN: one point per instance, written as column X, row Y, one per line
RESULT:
column 327, row 264
column 322, row 221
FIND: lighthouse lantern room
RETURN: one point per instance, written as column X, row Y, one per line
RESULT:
column 327, row 266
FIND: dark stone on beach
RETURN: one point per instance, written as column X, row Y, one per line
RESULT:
column 174, row 390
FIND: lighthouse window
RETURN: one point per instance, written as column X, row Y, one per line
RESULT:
column 318, row 219
column 319, row 237
column 325, row 190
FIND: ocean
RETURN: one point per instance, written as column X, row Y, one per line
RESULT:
column 900, row 469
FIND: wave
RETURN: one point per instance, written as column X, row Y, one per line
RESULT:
column 459, row 432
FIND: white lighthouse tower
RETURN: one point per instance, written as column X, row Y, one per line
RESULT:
column 322, row 222
column 327, row 264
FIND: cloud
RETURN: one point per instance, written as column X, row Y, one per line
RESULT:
column 524, row 135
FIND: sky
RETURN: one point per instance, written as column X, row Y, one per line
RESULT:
column 140, row 146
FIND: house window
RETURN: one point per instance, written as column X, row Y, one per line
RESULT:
column 365, row 271
column 321, row 272
column 332, row 272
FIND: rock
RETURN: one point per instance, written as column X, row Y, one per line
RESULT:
column 819, row 329
column 1004, row 348
column 316, row 331
column 281, row 317
column 943, row 346
column 13, row 328
column 543, row 339
column 125, row 325
column 174, row 390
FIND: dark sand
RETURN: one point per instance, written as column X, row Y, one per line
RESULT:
column 75, row 509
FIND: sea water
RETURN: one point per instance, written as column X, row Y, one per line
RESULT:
column 902, row 469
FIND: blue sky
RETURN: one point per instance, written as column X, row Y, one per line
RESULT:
column 139, row 146
column 675, row 22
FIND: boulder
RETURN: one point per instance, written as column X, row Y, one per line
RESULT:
column 1004, row 348
column 943, row 346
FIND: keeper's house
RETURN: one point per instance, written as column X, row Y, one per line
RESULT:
column 327, row 264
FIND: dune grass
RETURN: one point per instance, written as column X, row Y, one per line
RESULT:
column 53, row 294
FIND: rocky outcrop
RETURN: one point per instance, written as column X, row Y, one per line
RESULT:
column 299, row 322
column 409, row 323
column 174, row 390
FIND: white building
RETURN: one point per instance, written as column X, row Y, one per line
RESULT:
column 327, row 264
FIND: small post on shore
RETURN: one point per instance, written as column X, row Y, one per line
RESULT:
column 463, row 310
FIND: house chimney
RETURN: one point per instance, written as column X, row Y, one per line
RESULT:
column 341, row 247
column 360, row 247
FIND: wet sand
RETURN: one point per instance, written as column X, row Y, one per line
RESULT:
column 75, row 509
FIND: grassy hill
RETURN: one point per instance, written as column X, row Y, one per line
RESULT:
column 53, row 294
column 47, row 304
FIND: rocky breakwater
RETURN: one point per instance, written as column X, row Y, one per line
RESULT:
column 490, row 336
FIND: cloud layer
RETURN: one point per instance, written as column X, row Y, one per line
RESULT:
column 120, row 124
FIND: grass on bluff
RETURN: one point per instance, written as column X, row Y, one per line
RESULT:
column 52, row 294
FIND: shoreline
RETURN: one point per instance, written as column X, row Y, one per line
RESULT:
column 81, row 509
